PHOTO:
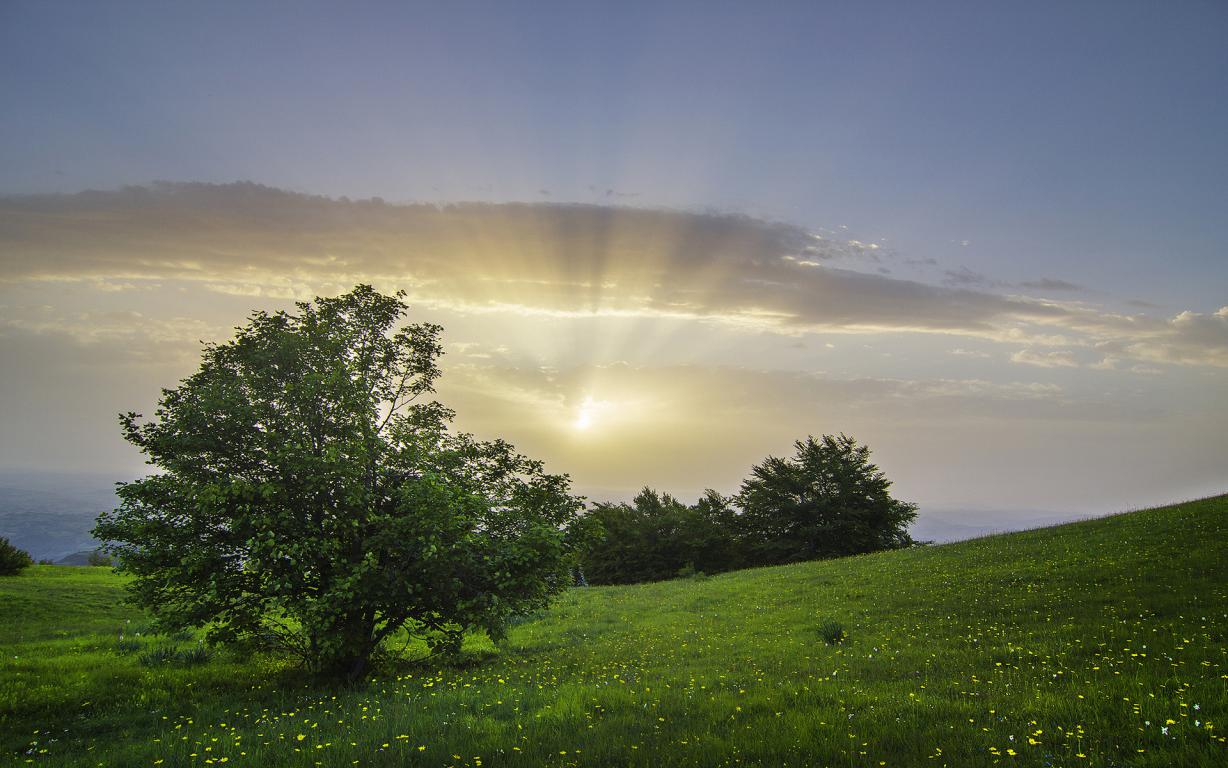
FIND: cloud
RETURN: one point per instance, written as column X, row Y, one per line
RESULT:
column 1051, row 284
column 666, row 395
column 542, row 259
column 961, row 352
column 709, row 421
column 1141, row 304
column 119, row 337
column 1062, row 358
column 1186, row 338
column 686, row 427
column 966, row 278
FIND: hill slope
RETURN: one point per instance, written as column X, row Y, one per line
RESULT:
column 1099, row 643
column 50, row 515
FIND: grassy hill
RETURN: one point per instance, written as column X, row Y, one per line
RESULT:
column 1099, row 643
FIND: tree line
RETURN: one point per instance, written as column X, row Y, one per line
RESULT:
column 827, row 500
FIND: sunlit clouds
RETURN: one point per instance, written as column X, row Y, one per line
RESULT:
column 626, row 346
column 553, row 261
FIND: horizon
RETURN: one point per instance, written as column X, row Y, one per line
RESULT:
column 663, row 242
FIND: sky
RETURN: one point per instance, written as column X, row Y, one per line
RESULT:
column 665, row 240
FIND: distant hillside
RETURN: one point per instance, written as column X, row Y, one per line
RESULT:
column 50, row 515
column 947, row 525
column 77, row 558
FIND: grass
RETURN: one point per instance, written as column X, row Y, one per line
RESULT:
column 1100, row 643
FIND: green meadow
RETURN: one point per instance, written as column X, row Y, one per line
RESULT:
column 1099, row 643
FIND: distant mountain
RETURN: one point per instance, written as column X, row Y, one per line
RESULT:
column 945, row 525
column 77, row 558
column 50, row 514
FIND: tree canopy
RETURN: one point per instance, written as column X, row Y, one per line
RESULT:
column 657, row 537
column 827, row 500
column 310, row 496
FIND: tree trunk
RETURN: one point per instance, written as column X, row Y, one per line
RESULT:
column 348, row 661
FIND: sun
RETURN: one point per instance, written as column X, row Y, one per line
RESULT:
column 587, row 414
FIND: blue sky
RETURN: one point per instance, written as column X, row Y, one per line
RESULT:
column 1069, row 152
column 1081, row 139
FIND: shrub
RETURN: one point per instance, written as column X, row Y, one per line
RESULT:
column 832, row 632
column 12, row 559
column 191, row 656
column 156, row 657
column 126, row 645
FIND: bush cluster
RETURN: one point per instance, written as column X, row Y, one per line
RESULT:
column 12, row 559
column 827, row 500
column 169, row 654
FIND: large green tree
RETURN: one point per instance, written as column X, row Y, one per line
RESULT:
column 311, row 497
column 828, row 500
